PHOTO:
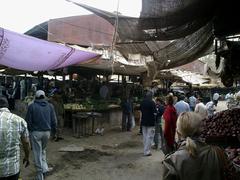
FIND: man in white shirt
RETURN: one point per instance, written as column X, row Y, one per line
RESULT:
column 229, row 99
column 181, row 106
column 229, row 96
column 215, row 98
column 210, row 108
column 13, row 134
column 201, row 109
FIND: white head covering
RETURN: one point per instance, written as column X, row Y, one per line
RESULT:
column 40, row 93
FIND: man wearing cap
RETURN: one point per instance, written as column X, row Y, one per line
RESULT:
column 41, row 120
column 13, row 132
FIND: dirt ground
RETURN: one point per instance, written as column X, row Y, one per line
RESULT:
column 114, row 156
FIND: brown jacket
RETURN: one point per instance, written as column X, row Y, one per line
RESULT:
column 181, row 166
column 57, row 102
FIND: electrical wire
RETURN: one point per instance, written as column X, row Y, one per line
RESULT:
column 52, row 34
column 114, row 37
column 113, row 44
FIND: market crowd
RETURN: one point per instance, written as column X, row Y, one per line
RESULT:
column 171, row 124
column 159, row 118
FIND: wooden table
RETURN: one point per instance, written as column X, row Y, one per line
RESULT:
column 83, row 121
column 79, row 124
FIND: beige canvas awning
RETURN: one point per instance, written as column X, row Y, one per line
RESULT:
column 183, row 76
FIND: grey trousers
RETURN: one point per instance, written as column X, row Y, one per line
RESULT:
column 148, row 135
column 39, row 141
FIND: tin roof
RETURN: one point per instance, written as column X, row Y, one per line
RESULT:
column 84, row 30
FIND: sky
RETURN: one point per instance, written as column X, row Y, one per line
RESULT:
column 21, row 15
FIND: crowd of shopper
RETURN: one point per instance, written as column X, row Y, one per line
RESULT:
column 159, row 117
column 186, row 154
column 171, row 124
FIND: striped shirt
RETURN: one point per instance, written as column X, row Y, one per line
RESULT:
column 12, row 128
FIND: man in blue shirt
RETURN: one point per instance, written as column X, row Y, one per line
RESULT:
column 181, row 106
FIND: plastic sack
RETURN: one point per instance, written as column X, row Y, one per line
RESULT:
column 133, row 122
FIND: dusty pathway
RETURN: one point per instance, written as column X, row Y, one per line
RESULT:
column 114, row 156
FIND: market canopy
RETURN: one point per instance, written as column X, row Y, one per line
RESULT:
column 166, row 33
column 173, row 19
column 175, row 53
column 164, row 27
column 112, row 63
column 31, row 54
column 183, row 76
column 39, row 31
column 133, row 39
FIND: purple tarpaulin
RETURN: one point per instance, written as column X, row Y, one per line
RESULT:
column 23, row 52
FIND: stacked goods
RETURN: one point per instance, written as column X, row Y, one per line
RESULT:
column 223, row 124
column 223, row 129
column 94, row 106
column 74, row 106
column 233, row 153
column 234, row 156
column 236, row 162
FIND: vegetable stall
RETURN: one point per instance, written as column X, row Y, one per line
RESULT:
column 108, row 112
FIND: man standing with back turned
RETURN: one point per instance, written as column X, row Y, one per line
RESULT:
column 148, row 119
column 13, row 132
column 41, row 119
